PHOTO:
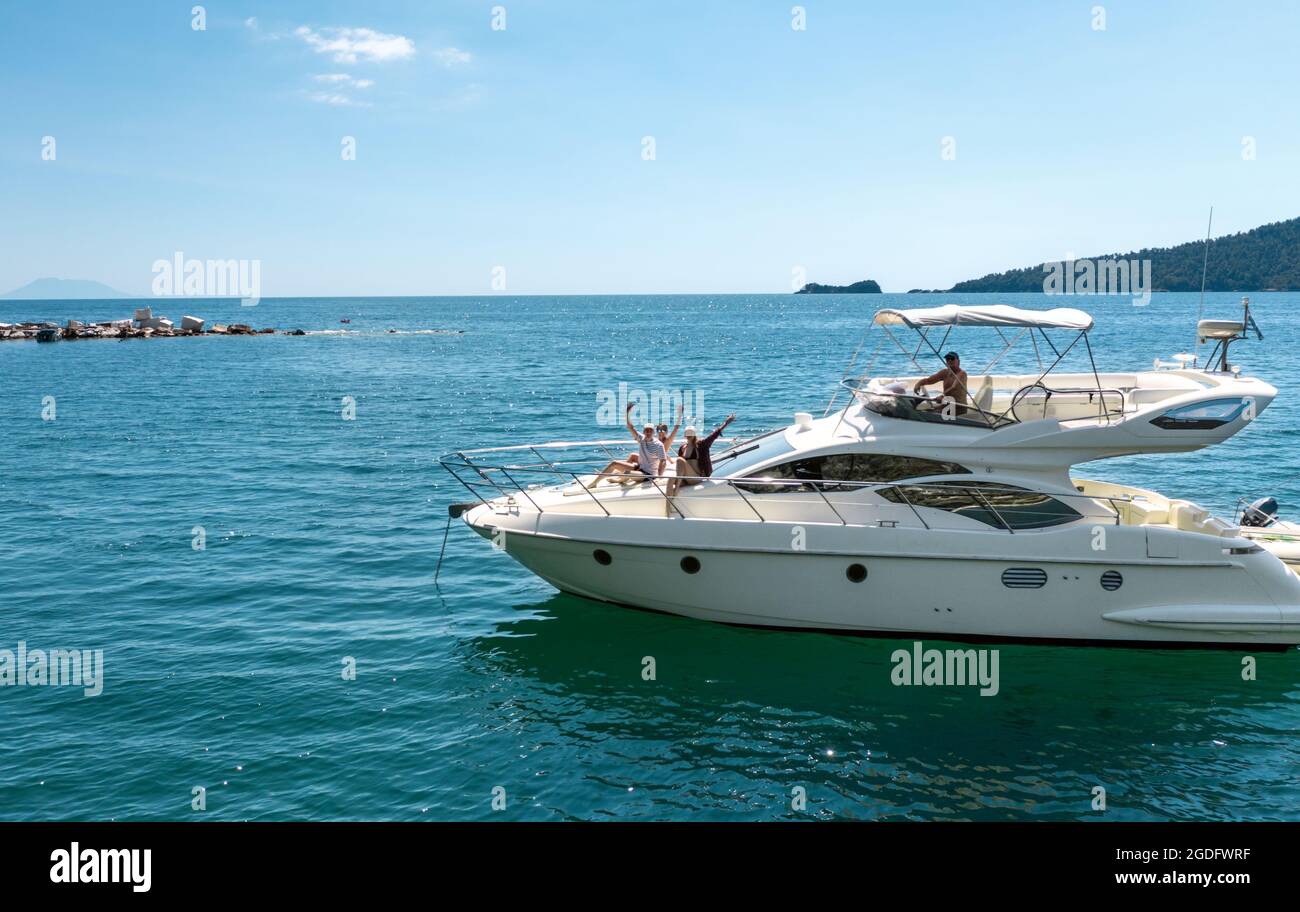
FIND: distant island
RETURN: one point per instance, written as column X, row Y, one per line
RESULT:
column 1262, row 259
column 866, row 286
column 63, row 290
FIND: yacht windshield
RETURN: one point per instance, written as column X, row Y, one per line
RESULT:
column 749, row 453
column 914, row 408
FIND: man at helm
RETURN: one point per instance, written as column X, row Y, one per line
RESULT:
column 953, row 379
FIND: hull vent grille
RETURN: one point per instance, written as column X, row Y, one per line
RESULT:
column 1111, row 580
column 1024, row 578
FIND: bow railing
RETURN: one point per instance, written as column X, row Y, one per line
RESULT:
column 506, row 484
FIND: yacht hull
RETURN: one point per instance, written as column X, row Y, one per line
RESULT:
column 757, row 579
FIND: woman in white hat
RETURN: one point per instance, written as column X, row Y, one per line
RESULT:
column 693, row 461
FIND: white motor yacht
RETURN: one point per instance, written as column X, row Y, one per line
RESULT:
column 902, row 514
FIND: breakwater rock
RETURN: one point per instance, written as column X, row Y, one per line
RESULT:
column 144, row 325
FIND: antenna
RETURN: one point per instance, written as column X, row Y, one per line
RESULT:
column 1205, row 265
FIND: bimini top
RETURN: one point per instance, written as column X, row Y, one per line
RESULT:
column 986, row 315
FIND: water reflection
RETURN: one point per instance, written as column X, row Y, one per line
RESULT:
column 738, row 717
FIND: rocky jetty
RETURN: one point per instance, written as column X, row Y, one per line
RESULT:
column 144, row 325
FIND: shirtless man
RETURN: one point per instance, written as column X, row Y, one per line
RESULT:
column 953, row 379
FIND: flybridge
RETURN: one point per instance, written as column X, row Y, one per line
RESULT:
column 980, row 404
column 1049, row 418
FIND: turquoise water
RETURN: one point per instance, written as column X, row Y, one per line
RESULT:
column 223, row 665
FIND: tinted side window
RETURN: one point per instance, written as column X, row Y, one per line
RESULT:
column 881, row 467
column 1202, row 415
column 785, row 472
column 823, row 471
column 996, row 505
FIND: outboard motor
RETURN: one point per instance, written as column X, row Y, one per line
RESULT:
column 1261, row 513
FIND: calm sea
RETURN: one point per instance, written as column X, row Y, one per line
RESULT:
column 223, row 667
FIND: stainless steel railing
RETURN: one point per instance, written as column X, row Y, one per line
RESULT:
column 476, row 475
column 1048, row 392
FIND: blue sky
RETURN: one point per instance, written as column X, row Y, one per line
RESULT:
column 522, row 148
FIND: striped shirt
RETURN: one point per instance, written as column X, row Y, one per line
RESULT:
column 652, row 454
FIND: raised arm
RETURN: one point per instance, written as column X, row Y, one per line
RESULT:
column 627, row 419
column 719, row 429
column 668, row 443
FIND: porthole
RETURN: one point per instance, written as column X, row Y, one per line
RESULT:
column 1111, row 580
column 602, row 557
column 1024, row 578
column 691, row 564
column 856, row 573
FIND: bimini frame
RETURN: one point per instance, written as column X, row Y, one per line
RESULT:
column 1033, row 323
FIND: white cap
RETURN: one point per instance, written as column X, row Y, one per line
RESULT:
column 690, row 430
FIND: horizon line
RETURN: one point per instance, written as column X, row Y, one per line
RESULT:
column 647, row 294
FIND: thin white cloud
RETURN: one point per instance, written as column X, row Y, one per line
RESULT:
column 251, row 22
column 337, row 99
column 450, row 56
column 350, row 45
column 343, row 79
